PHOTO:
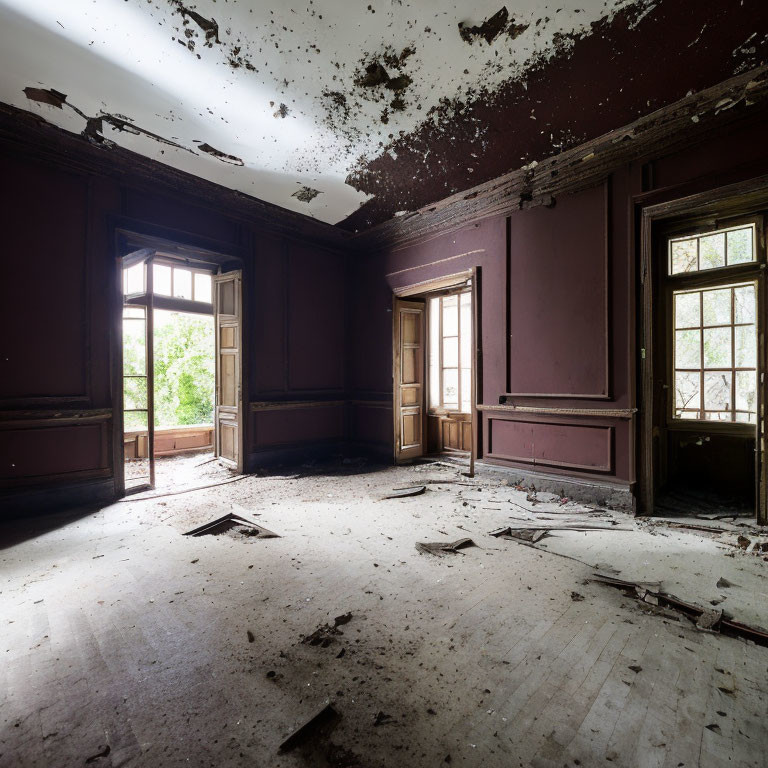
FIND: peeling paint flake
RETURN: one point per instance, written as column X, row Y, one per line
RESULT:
column 306, row 194
column 217, row 153
column 46, row 96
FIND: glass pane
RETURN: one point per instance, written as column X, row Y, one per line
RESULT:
column 712, row 251
column 203, row 288
column 745, row 341
column 135, row 420
column 687, row 310
column 744, row 304
column 717, row 348
column 717, row 415
column 182, row 283
column 161, row 280
column 746, row 391
column 450, row 316
column 451, row 353
column 466, row 390
column 136, row 313
column 684, row 256
column 466, row 332
column 687, row 390
column 133, row 279
column 747, row 418
column 688, row 349
column 740, row 246
column 717, row 307
column 717, row 391
column 451, row 388
column 134, row 346
column 434, row 353
column 134, row 393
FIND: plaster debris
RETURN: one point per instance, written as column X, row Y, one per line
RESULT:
column 441, row 548
column 319, row 725
column 489, row 30
column 209, row 26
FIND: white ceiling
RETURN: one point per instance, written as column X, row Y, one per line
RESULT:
column 131, row 59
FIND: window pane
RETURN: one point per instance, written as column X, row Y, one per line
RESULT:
column 451, row 388
column 450, row 316
column 687, row 391
column 134, row 393
column 466, row 390
column 717, row 348
column 434, row 353
column 135, row 420
column 744, row 304
column 688, row 349
column 717, row 307
column 134, row 346
column 466, row 332
column 684, row 256
column 203, row 287
column 182, row 283
column 133, row 279
column 687, row 310
column 712, row 251
column 717, row 391
column 451, row 353
column 161, row 280
column 746, row 346
column 745, row 396
column 740, row 246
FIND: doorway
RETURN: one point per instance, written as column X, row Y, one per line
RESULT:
column 703, row 363
column 434, row 371
column 180, row 369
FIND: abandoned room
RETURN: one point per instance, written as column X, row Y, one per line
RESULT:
column 383, row 383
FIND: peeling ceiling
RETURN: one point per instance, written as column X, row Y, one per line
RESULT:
column 351, row 111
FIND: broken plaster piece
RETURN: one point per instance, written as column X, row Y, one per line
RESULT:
column 219, row 155
column 306, row 194
column 46, row 96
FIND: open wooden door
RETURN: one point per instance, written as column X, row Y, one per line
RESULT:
column 229, row 409
column 408, row 372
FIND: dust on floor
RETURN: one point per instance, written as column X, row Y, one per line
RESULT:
column 127, row 643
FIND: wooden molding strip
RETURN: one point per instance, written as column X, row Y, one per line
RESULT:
column 613, row 413
column 284, row 405
column 29, row 418
column 674, row 126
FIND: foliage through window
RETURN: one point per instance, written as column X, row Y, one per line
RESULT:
column 450, row 352
column 723, row 248
column 715, row 353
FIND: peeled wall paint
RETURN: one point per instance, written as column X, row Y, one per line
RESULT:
column 302, row 94
column 391, row 102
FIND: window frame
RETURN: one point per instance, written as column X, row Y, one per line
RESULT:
column 442, row 409
column 702, row 280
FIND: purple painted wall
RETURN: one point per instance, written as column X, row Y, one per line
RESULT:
column 558, row 312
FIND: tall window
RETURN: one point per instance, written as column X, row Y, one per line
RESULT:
column 450, row 352
column 715, row 353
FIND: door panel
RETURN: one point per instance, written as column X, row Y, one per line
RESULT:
column 229, row 411
column 408, row 374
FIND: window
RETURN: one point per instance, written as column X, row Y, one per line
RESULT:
column 715, row 353
column 180, row 283
column 450, row 352
column 133, row 279
column 723, row 248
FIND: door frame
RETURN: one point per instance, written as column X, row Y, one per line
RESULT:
column 706, row 208
column 128, row 237
column 422, row 290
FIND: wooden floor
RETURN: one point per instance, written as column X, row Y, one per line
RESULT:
column 119, row 632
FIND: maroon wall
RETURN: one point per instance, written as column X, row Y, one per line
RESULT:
column 558, row 313
column 57, row 304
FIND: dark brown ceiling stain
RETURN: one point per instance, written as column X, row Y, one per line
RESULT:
column 623, row 69
column 46, row 96
column 223, row 156
column 306, row 194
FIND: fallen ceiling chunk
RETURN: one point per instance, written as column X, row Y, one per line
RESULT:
column 704, row 619
column 46, row 96
column 232, row 523
column 318, row 726
column 401, row 493
column 441, row 548
column 326, row 634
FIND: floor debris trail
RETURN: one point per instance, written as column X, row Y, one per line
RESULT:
column 481, row 658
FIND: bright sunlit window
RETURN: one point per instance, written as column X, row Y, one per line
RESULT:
column 450, row 352
column 723, row 248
